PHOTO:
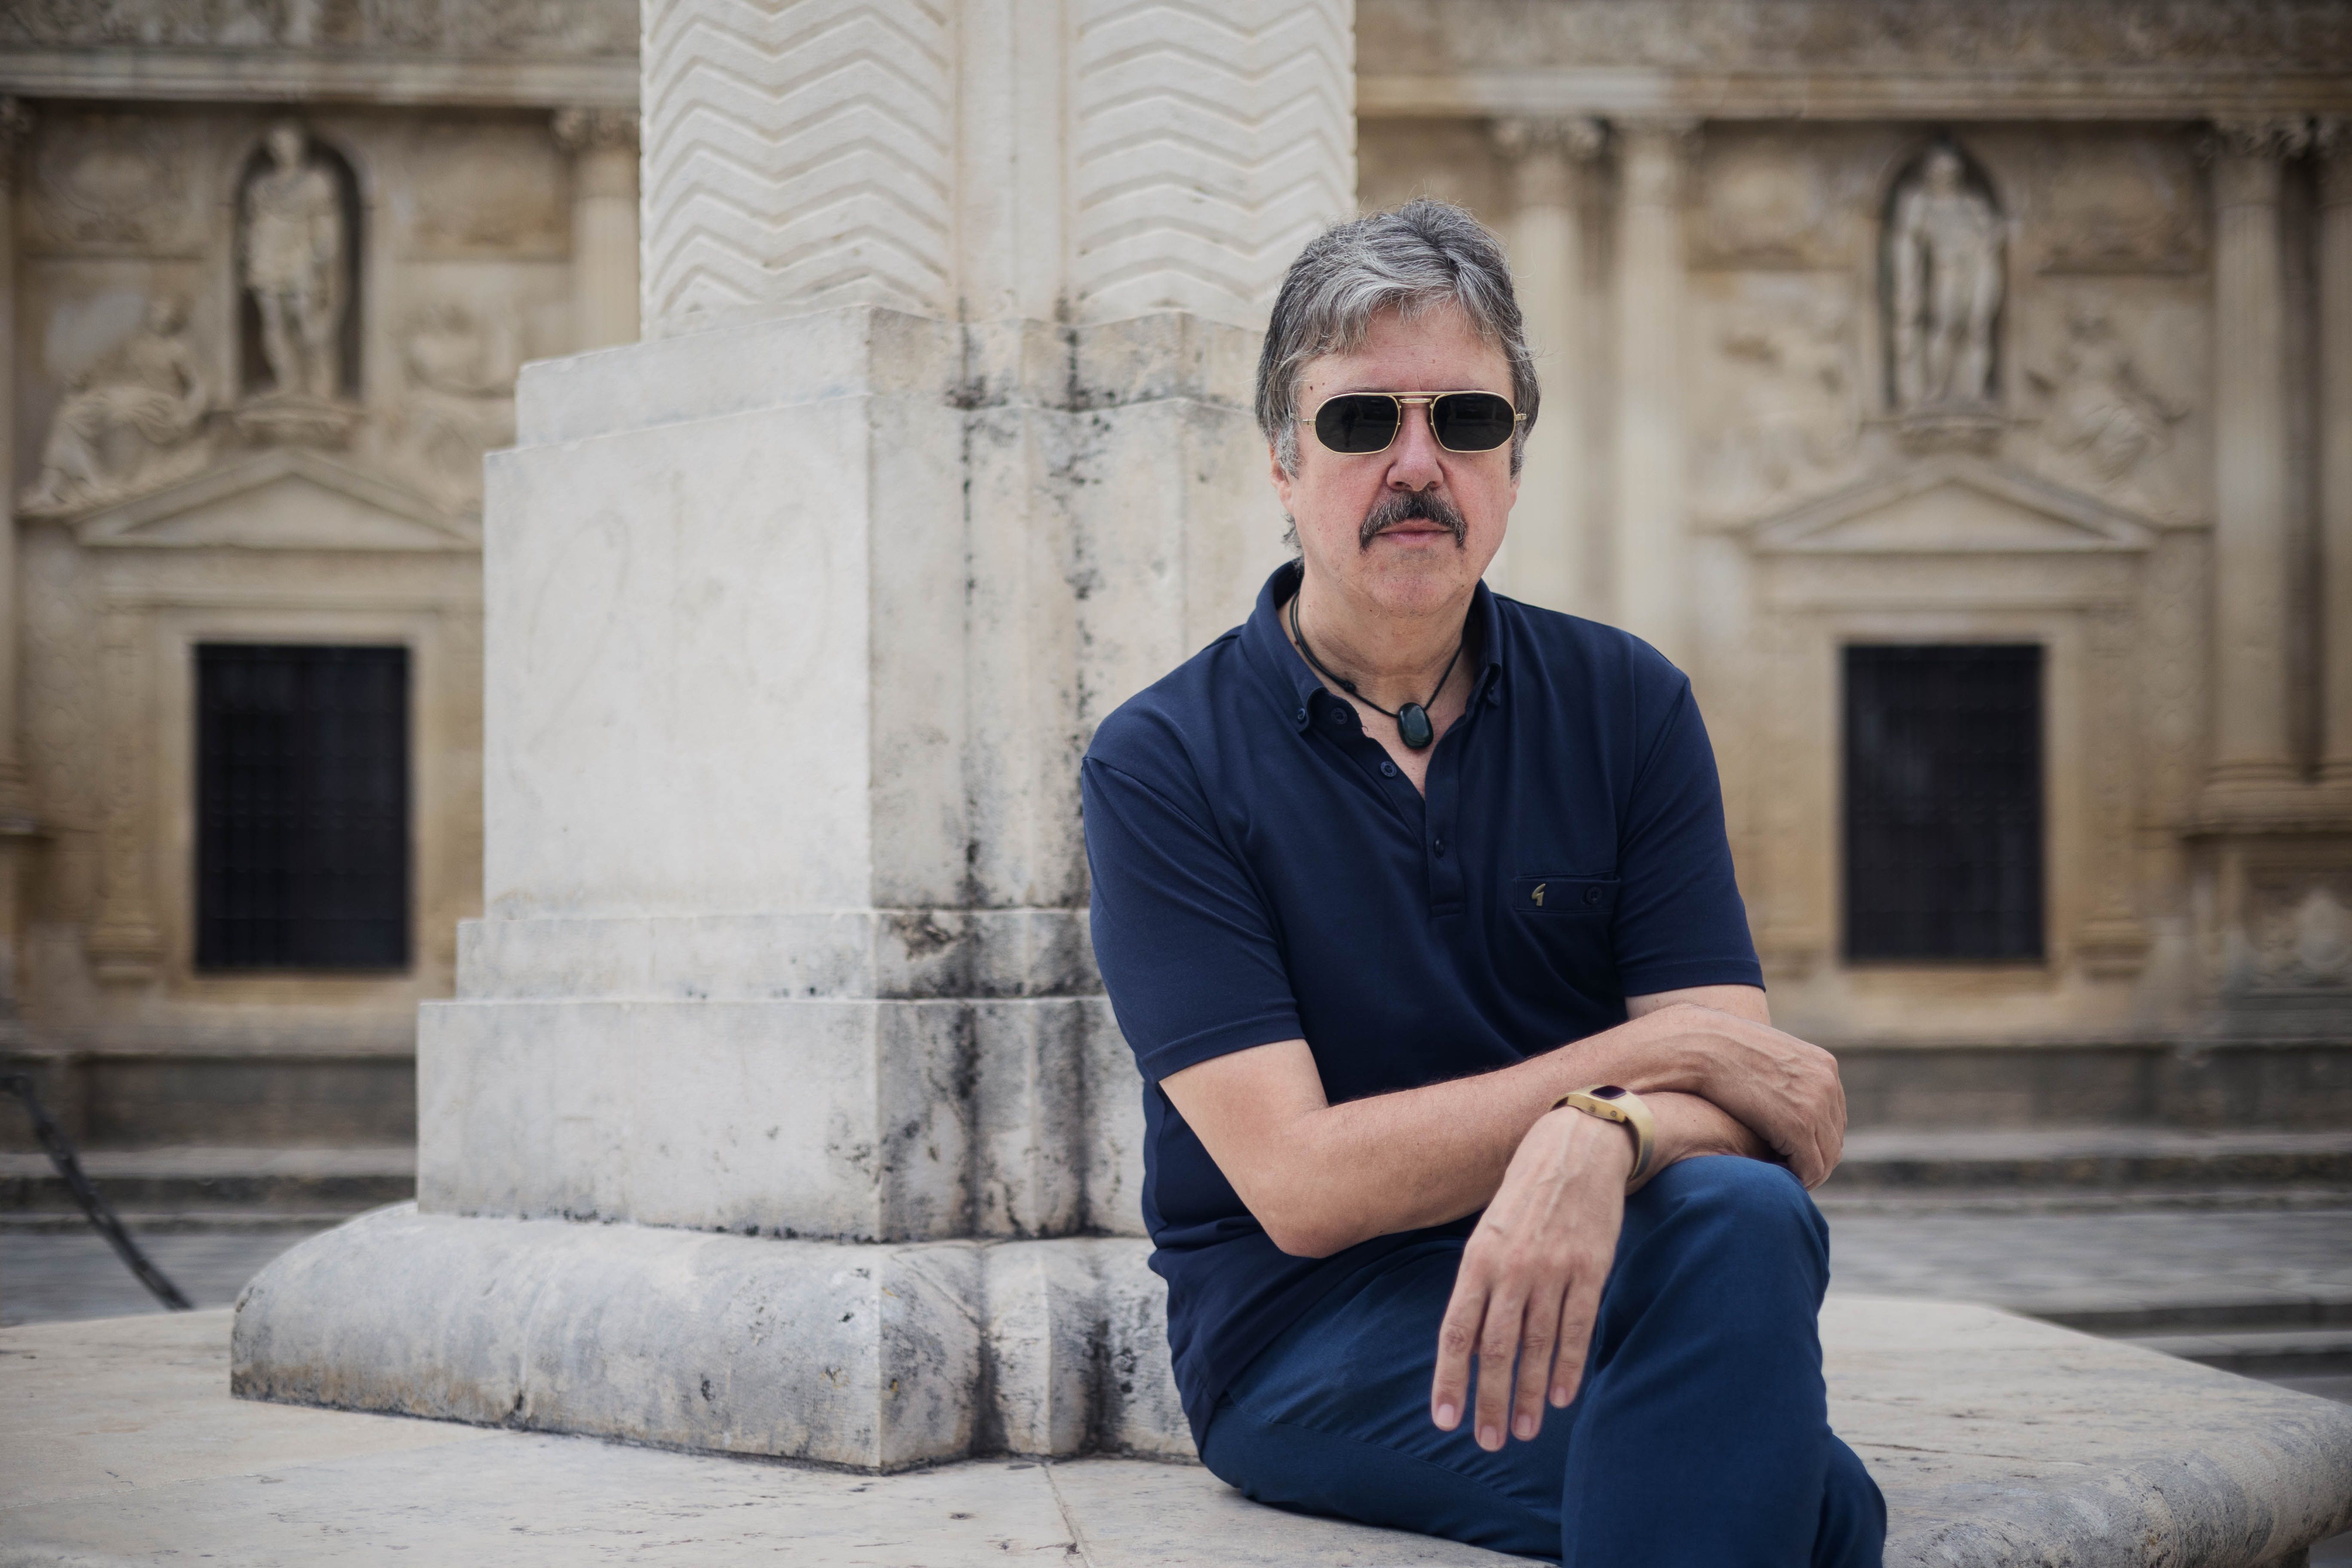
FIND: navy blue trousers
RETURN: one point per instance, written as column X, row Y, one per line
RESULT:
column 1699, row 1439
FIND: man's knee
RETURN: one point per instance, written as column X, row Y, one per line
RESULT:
column 1740, row 1201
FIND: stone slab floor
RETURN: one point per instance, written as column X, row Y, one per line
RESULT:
column 119, row 1443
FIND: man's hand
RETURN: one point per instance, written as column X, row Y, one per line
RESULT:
column 1529, row 1285
column 1785, row 1089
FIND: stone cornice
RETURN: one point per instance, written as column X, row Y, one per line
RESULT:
column 2162, row 93
column 256, row 76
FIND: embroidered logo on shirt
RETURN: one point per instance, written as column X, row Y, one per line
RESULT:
column 1540, row 892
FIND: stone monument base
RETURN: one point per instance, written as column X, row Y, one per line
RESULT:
column 876, row 1356
column 2000, row 1441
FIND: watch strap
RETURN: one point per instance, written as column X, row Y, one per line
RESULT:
column 1623, row 1106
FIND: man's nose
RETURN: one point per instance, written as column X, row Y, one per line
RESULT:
column 1415, row 461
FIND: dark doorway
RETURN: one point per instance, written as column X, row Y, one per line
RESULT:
column 1943, row 803
column 302, row 834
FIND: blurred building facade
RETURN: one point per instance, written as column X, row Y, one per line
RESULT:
column 1961, row 392
column 268, row 272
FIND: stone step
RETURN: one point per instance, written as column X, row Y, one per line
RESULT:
column 1982, row 1159
column 2304, row 1084
column 297, row 1183
column 2301, row 1352
column 267, row 1095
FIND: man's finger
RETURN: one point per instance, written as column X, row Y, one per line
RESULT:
column 1457, row 1338
column 1539, row 1335
column 1498, row 1346
column 1578, row 1308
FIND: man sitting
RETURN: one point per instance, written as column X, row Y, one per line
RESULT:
column 1380, row 878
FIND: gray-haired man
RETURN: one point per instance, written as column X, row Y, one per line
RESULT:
column 1416, row 907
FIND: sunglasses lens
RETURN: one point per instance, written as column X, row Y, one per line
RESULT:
column 1471, row 421
column 1356, row 422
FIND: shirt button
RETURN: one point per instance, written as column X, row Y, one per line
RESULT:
column 1591, row 895
column 1302, row 715
column 1387, row 770
column 1438, row 844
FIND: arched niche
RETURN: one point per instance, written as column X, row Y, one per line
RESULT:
column 284, row 211
column 1943, row 279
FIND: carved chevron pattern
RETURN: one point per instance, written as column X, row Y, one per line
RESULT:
column 798, row 153
column 1211, row 139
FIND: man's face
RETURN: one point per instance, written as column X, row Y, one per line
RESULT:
column 1413, row 565
column 286, row 147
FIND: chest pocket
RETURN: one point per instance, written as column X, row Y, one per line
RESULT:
column 1564, row 897
column 1564, row 923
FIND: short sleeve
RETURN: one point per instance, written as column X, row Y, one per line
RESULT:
column 1187, row 949
column 1680, row 919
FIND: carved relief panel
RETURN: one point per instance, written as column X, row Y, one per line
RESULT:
column 114, row 184
column 481, row 188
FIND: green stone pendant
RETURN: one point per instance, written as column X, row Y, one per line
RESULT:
column 1414, row 727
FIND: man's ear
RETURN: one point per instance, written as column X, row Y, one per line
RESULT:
column 1282, row 481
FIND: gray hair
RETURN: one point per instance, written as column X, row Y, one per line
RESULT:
column 1413, row 259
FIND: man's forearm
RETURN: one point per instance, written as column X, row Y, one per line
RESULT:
column 1425, row 1156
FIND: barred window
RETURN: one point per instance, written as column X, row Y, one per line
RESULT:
column 302, row 836
column 1943, row 803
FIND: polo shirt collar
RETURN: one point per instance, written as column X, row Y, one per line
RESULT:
column 1296, row 688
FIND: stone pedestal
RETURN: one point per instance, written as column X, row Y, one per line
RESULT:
column 778, row 1110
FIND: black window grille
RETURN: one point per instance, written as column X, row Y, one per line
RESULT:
column 1943, row 803
column 302, row 851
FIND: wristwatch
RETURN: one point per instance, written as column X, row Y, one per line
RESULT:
column 1623, row 1107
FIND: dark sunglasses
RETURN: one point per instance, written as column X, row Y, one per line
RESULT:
column 1363, row 422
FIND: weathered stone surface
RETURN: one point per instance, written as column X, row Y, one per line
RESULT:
column 2000, row 1441
column 876, row 1356
column 123, row 1444
column 2004, row 1443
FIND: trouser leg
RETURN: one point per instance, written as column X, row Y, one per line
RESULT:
column 1701, row 1436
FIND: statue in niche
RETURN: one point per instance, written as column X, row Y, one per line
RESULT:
column 294, row 266
column 1944, row 276
column 133, row 420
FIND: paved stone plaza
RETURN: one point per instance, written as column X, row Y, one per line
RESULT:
column 120, row 1443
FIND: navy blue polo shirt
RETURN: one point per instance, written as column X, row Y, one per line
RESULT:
column 1264, row 872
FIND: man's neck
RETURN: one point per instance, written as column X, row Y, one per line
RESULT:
column 1392, row 659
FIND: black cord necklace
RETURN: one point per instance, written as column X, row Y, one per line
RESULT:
column 1414, row 727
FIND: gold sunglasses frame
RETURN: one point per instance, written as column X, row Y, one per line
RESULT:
column 1404, row 400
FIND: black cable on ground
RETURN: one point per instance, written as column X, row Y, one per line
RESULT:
column 62, row 1154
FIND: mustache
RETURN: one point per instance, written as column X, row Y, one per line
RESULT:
column 1406, row 506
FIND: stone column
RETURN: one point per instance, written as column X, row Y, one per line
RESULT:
column 15, row 126
column 1546, row 552
column 2251, row 733
column 17, row 824
column 797, row 614
column 1651, row 559
column 2336, row 447
column 604, row 147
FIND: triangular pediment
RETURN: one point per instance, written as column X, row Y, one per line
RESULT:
column 289, row 498
column 1953, row 505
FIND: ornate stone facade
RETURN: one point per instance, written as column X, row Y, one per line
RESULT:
column 257, row 359
column 1955, row 323
column 1859, row 320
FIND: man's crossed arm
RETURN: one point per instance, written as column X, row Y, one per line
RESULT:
column 1322, row 1177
